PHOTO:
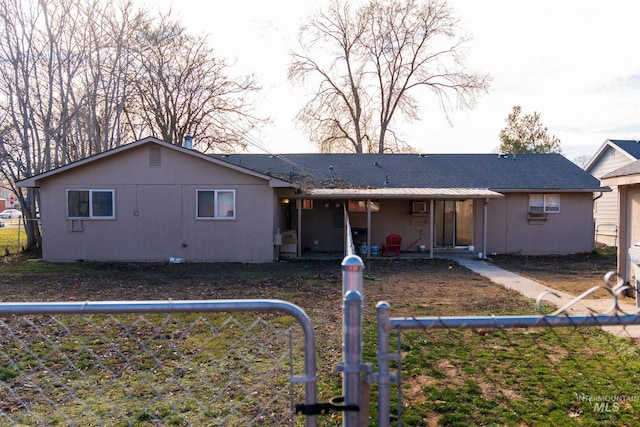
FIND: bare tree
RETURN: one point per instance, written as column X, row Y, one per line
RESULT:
column 29, row 87
column 58, row 62
column 184, row 90
column 335, row 115
column 370, row 62
column 69, row 74
column 110, row 66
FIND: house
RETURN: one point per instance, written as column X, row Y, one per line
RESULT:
column 153, row 201
column 626, row 180
column 612, row 155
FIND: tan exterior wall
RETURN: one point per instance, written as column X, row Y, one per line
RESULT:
column 508, row 229
column 569, row 231
column 155, row 212
column 155, row 216
column 395, row 217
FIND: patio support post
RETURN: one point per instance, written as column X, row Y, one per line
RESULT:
column 368, row 228
column 299, row 210
column 484, row 227
column 432, row 226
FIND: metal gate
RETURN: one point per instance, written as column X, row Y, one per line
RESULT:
column 124, row 363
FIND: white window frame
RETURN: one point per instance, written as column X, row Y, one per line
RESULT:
column 216, row 193
column 544, row 203
column 91, row 214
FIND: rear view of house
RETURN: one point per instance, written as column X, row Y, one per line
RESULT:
column 154, row 201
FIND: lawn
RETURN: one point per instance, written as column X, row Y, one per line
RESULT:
column 12, row 238
column 451, row 377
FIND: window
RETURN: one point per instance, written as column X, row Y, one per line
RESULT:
column 217, row 204
column 307, row 204
column 90, row 203
column 418, row 207
column 544, row 203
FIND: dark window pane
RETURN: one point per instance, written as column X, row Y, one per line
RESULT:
column 102, row 203
column 78, row 203
column 205, row 204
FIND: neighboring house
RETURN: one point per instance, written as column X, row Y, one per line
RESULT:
column 612, row 155
column 152, row 201
column 627, row 182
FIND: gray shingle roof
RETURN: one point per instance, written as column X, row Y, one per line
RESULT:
column 631, row 146
column 630, row 169
column 520, row 172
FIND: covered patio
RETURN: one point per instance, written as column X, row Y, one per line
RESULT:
column 430, row 220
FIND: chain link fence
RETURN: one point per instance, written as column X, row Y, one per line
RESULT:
column 252, row 362
column 13, row 236
column 83, row 365
column 560, row 368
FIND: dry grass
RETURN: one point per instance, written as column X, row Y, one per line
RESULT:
column 437, row 367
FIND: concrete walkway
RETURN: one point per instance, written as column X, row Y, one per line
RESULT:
column 532, row 289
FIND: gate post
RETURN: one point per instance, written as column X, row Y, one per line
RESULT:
column 353, row 306
column 384, row 378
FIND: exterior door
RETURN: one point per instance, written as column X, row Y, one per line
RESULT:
column 453, row 223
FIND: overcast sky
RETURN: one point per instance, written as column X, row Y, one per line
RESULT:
column 575, row 62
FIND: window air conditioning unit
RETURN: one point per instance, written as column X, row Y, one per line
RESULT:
column 418, row 207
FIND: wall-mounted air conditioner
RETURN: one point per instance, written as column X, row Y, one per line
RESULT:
column 419, row 207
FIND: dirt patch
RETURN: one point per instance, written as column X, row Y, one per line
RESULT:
column 573, row 274
column 411, row 287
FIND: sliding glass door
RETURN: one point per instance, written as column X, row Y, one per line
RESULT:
column 453, row 223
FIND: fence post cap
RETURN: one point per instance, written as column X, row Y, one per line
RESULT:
column 352, row 262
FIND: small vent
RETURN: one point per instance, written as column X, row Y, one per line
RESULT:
column 154, row 156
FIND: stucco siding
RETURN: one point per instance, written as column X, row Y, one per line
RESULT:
column 155, row 212
column 568, row 231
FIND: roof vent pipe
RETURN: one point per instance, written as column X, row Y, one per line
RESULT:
column 188, row 141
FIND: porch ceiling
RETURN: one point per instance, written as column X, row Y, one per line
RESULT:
column 406, row 193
